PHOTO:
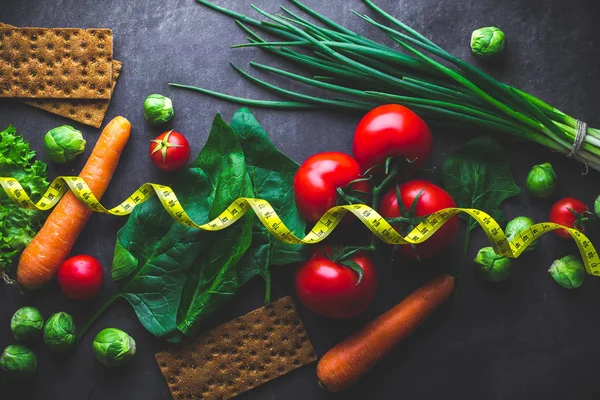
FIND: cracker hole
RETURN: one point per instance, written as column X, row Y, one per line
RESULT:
column 252, row 352
column 72, row 111
column 55, row 107
column 280, row 369
column 266, row 376
column 288, row 308
column 89, row 116
column 33, row 47
column 295, row 363
column 50, row 46
column 83, row 45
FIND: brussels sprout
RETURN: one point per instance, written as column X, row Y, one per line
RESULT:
column 491, row 266
column 18, row 362
column 597, row 206
column 59, row 332
column 158, row 109
column 568, row 272
column 518, row 225
column 26, row 323
column 63, row 144
column 541, row 180
column 487, row 42
column 113, row 347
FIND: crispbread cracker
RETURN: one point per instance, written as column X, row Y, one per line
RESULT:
column 239, row 355
column 87, row 111
column 55, row 63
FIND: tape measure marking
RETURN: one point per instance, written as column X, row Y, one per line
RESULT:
column 323, row 228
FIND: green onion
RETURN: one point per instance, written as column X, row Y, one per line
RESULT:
column 360, row 74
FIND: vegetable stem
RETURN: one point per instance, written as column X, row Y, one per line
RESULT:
column 81, row 332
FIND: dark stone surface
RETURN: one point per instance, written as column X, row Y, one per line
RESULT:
column 527, row 338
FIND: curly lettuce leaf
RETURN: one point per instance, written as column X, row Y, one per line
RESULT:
column 17, row 225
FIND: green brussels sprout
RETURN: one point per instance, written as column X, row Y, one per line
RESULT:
column 63, row 144
column 487, row 42
column 597, row 206
column 541, row 180
column 59, row 332
column 18, row 362
column 491, row 266
column 26, row 323
column 113, row 347
column 158, row 109
column 568, row 272
column 518, row 225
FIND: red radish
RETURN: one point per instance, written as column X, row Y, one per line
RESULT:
column 80, row 277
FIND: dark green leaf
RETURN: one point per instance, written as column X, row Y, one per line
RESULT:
column 172, row 275
column 478, row 176
column 355, row 267
column 272, row 174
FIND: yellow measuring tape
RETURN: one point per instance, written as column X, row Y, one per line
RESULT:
column 267, row 215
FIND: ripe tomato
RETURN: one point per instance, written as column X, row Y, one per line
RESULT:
column 433, row 198
column 169, row 151
column 80, row 277
column 329, row 288
column 561, row 213
column 391, row 131
column 317, row 180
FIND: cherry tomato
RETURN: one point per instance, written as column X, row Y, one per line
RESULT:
column 391, row 131
column 317, row 180
column 329, row 288
column 433, row 198
column 561, row 213
column 80, row 277
column 170, row 151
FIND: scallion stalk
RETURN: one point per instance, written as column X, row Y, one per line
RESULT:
column 361, row 73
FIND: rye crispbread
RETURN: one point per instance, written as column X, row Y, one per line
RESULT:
column 87, row 111
column 56, row 63
column 238, row 355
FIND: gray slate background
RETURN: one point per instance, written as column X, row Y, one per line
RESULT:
column 527, row 338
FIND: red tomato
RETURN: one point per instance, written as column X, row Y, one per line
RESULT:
column 317, row 180
column 433, row 199
column 80, row 277
column 329, row 288
column 170, row 151
column 391, row 131
column 561, row 213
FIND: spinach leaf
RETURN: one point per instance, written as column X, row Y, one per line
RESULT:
column 215, row 279
column 272, row 174
column 173, row 275
column 478, row 176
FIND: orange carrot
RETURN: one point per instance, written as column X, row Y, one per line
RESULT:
column 349, row 360
column 53, row 243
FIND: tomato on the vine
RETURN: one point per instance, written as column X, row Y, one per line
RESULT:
column 318, row 179
column 432, row 199
column 391, row 131
column 571, row 213
column 170, row 151
column 330, row 288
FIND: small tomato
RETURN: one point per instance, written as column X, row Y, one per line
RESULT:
column 80, row 277
column 330, row 289
column 170, row 151
column 571, row 213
